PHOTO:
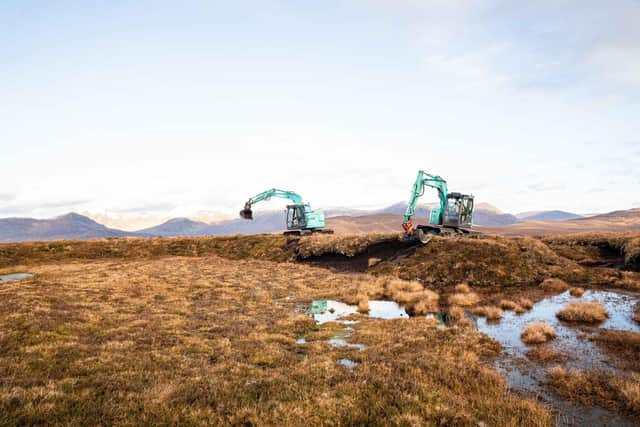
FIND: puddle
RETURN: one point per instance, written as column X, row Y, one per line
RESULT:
column 341, row 342
column 587, row 356
column 14, row 276
column 324, row 311
column 301, row 341
column 340, row 339
column 348, row 363
column 524, row 375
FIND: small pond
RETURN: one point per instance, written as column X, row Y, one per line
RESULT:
column 324, row 311
column 527, row 376
column 14, row 276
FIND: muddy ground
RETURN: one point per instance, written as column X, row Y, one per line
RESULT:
column 220, row 330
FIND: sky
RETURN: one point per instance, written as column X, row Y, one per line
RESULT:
column 172, row 108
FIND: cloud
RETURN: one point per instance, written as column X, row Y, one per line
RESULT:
column 63, row 204
column 7, row 197
column 546, row 45
column 545, row 187
column 147, row 208
column 32, row 207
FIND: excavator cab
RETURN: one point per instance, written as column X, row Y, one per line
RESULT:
column 301, row 217
column 458, row 211
column 296, row 218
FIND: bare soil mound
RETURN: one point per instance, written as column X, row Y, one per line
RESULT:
column 483, row 262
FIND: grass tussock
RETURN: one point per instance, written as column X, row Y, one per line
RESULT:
column 525, row 303
column 463, row 288
column 211, row 341
column 554, row 285
column 576, row 292
column 410, row 294
column 413, row 296
column 490, row 312
column 537, row 333
column 617, row 393
column 545, row 355
column 363, row 304
column 464, row 299
column 455, row 314
column 583, row 312
column 506, row 304
column 625, row 344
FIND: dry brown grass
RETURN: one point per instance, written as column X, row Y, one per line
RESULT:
column 506, row 304
column 544, row 355
column 554, row 285
column 537, row 333
column 636, row 316
column 624, row 344
column 592, row 248
column 264, row 247
column 464, row 299
column 589, row 388
column 583, row 312
column 576, row 291
column 412, row 295
column 455, row 314
column 486, row 262
column 463, row 288
column 488, row 311
column 525, row 303
column 363, row 304
column 184, row 340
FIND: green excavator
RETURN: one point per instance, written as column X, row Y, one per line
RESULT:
column 301, row 219
column 454, row 216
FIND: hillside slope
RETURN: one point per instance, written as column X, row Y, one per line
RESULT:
column 70, row 226
column 628, row 220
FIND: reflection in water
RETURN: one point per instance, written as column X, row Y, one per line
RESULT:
column 329, row 310
column 14, row 276
column 348, row 363
column 525, row 375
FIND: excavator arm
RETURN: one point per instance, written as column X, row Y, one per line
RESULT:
column 247, row 213
column 423, row 180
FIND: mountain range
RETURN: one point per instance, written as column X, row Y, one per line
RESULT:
column 75, row 226
column 69, row 226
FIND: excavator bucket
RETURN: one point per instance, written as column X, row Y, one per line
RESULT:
column 246, row 213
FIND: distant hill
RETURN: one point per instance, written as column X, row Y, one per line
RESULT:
column 484, row 213
column 547, row 216
column 70, row 226
column 375, row 223
column 263, row 222
column 487, row 219
column 178, row 227
column 627, row 220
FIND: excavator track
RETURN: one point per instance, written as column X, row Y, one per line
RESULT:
column 423, row 233
column 307, row 232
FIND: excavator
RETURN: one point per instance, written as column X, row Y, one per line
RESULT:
column 301, row 220
column 453, row 217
